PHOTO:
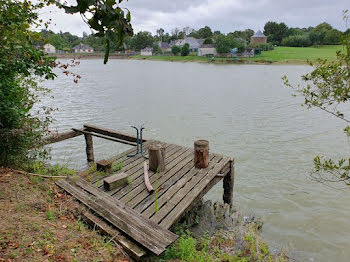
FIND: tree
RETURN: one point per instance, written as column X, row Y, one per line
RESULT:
column 160, row 33
column 175, row 49
column 205, row 32
column 332, row 37
column 185, row 50
column 106, row 18
column 327, row 87
column 141, row 40
column 208, row 41
column 297, row 41
column 275, row 32
column 156, row 49
column 224, row 44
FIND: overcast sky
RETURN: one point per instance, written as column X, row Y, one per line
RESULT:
column 223, row 15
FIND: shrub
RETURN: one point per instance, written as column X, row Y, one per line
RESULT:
column 208, row 41
column 185, row 50
column 175, row 49
column 297, row 41
column 263, row 47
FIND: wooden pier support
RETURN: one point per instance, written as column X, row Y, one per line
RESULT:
column 228, row 185
column 201, row 153
column 156, row 153
column 89, row 148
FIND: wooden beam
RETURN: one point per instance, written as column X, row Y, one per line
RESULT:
column 105, row 137
column 89, row 148
column 228, row 185
column 112, row 133
column 58, row 137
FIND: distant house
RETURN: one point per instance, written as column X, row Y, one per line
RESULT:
column 81, row 48
column 258, row 38
column 148, row 51
column 165, row 47
column 193, row 43
column 49, row 49
column 207, row 49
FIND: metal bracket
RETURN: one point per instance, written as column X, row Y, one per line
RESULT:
column 139, row 142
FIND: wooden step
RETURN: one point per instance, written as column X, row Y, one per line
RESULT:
column 144, row 231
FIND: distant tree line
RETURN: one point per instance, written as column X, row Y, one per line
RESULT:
column 277, row 34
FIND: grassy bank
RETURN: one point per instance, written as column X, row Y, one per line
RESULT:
column 280, row 55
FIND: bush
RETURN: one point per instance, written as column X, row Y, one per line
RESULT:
column 156, row 49
column 263, row 47
column 208, row 41
column 297, row 41
column 175, row 49
column 185, row 50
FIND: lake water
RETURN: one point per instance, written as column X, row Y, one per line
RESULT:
column 245, row 112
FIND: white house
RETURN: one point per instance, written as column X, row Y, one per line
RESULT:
column 49, row 49
column 81, row 48
column 148, row 51
column 207, row 49
column 191, row 41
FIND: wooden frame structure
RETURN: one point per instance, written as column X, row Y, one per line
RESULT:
column 177, row 189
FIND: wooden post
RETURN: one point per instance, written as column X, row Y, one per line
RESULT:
column 156, row 153
column 201, row 153
column 89, row 148
column 228, row 185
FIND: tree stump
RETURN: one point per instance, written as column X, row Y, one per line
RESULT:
column 156, row 154
column 201, row 153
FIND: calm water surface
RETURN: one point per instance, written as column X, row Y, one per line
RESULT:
column 245, row 112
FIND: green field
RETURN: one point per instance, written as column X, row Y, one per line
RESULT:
column 298, row 54
column 283, row 55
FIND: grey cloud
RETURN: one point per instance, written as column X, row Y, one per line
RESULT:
column 223, row 15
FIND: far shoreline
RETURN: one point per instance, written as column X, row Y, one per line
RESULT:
column 183, row 59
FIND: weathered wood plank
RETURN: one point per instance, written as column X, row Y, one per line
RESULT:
column 228, row 185
column 196, row 176
column 142, row 196
column 138, row 191
column 58, row 137
column 173, row 185
column 144, row 231
column 128, row 245
column 114, row 181
column 197, row 188
column 112, row 133
column 106, row 137
column 137, row 172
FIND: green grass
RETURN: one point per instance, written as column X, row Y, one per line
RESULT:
column 298, row 54
column 285, row 55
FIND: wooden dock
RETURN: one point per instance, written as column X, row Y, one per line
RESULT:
column 142, row 216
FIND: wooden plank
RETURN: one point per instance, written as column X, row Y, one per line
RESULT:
column 173, row 185
column 195, row 176
column 197, row 188
column 144, row 231
column 128, row 245
column 114, row 181
column 58, row 137
column 133, row 165
column 138, row 185
column 137, row 171
column 106, row 137
column 141, row 194
column 112, row 133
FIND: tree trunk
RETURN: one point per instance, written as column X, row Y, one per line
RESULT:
column 201, row 153
column 156, row 154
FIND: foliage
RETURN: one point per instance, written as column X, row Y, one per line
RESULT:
column 156, row 49
column 175, row 49
column 297, row 41
column 20, row 65
column 106, row 18
column 185, row 50
column 224, row 44
column 141, row 40
column 275, row 32
column 327, row 87
column 116, row 166
column 205, row 32
column 208, row 41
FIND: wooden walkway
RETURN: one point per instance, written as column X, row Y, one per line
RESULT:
column 177, row 190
